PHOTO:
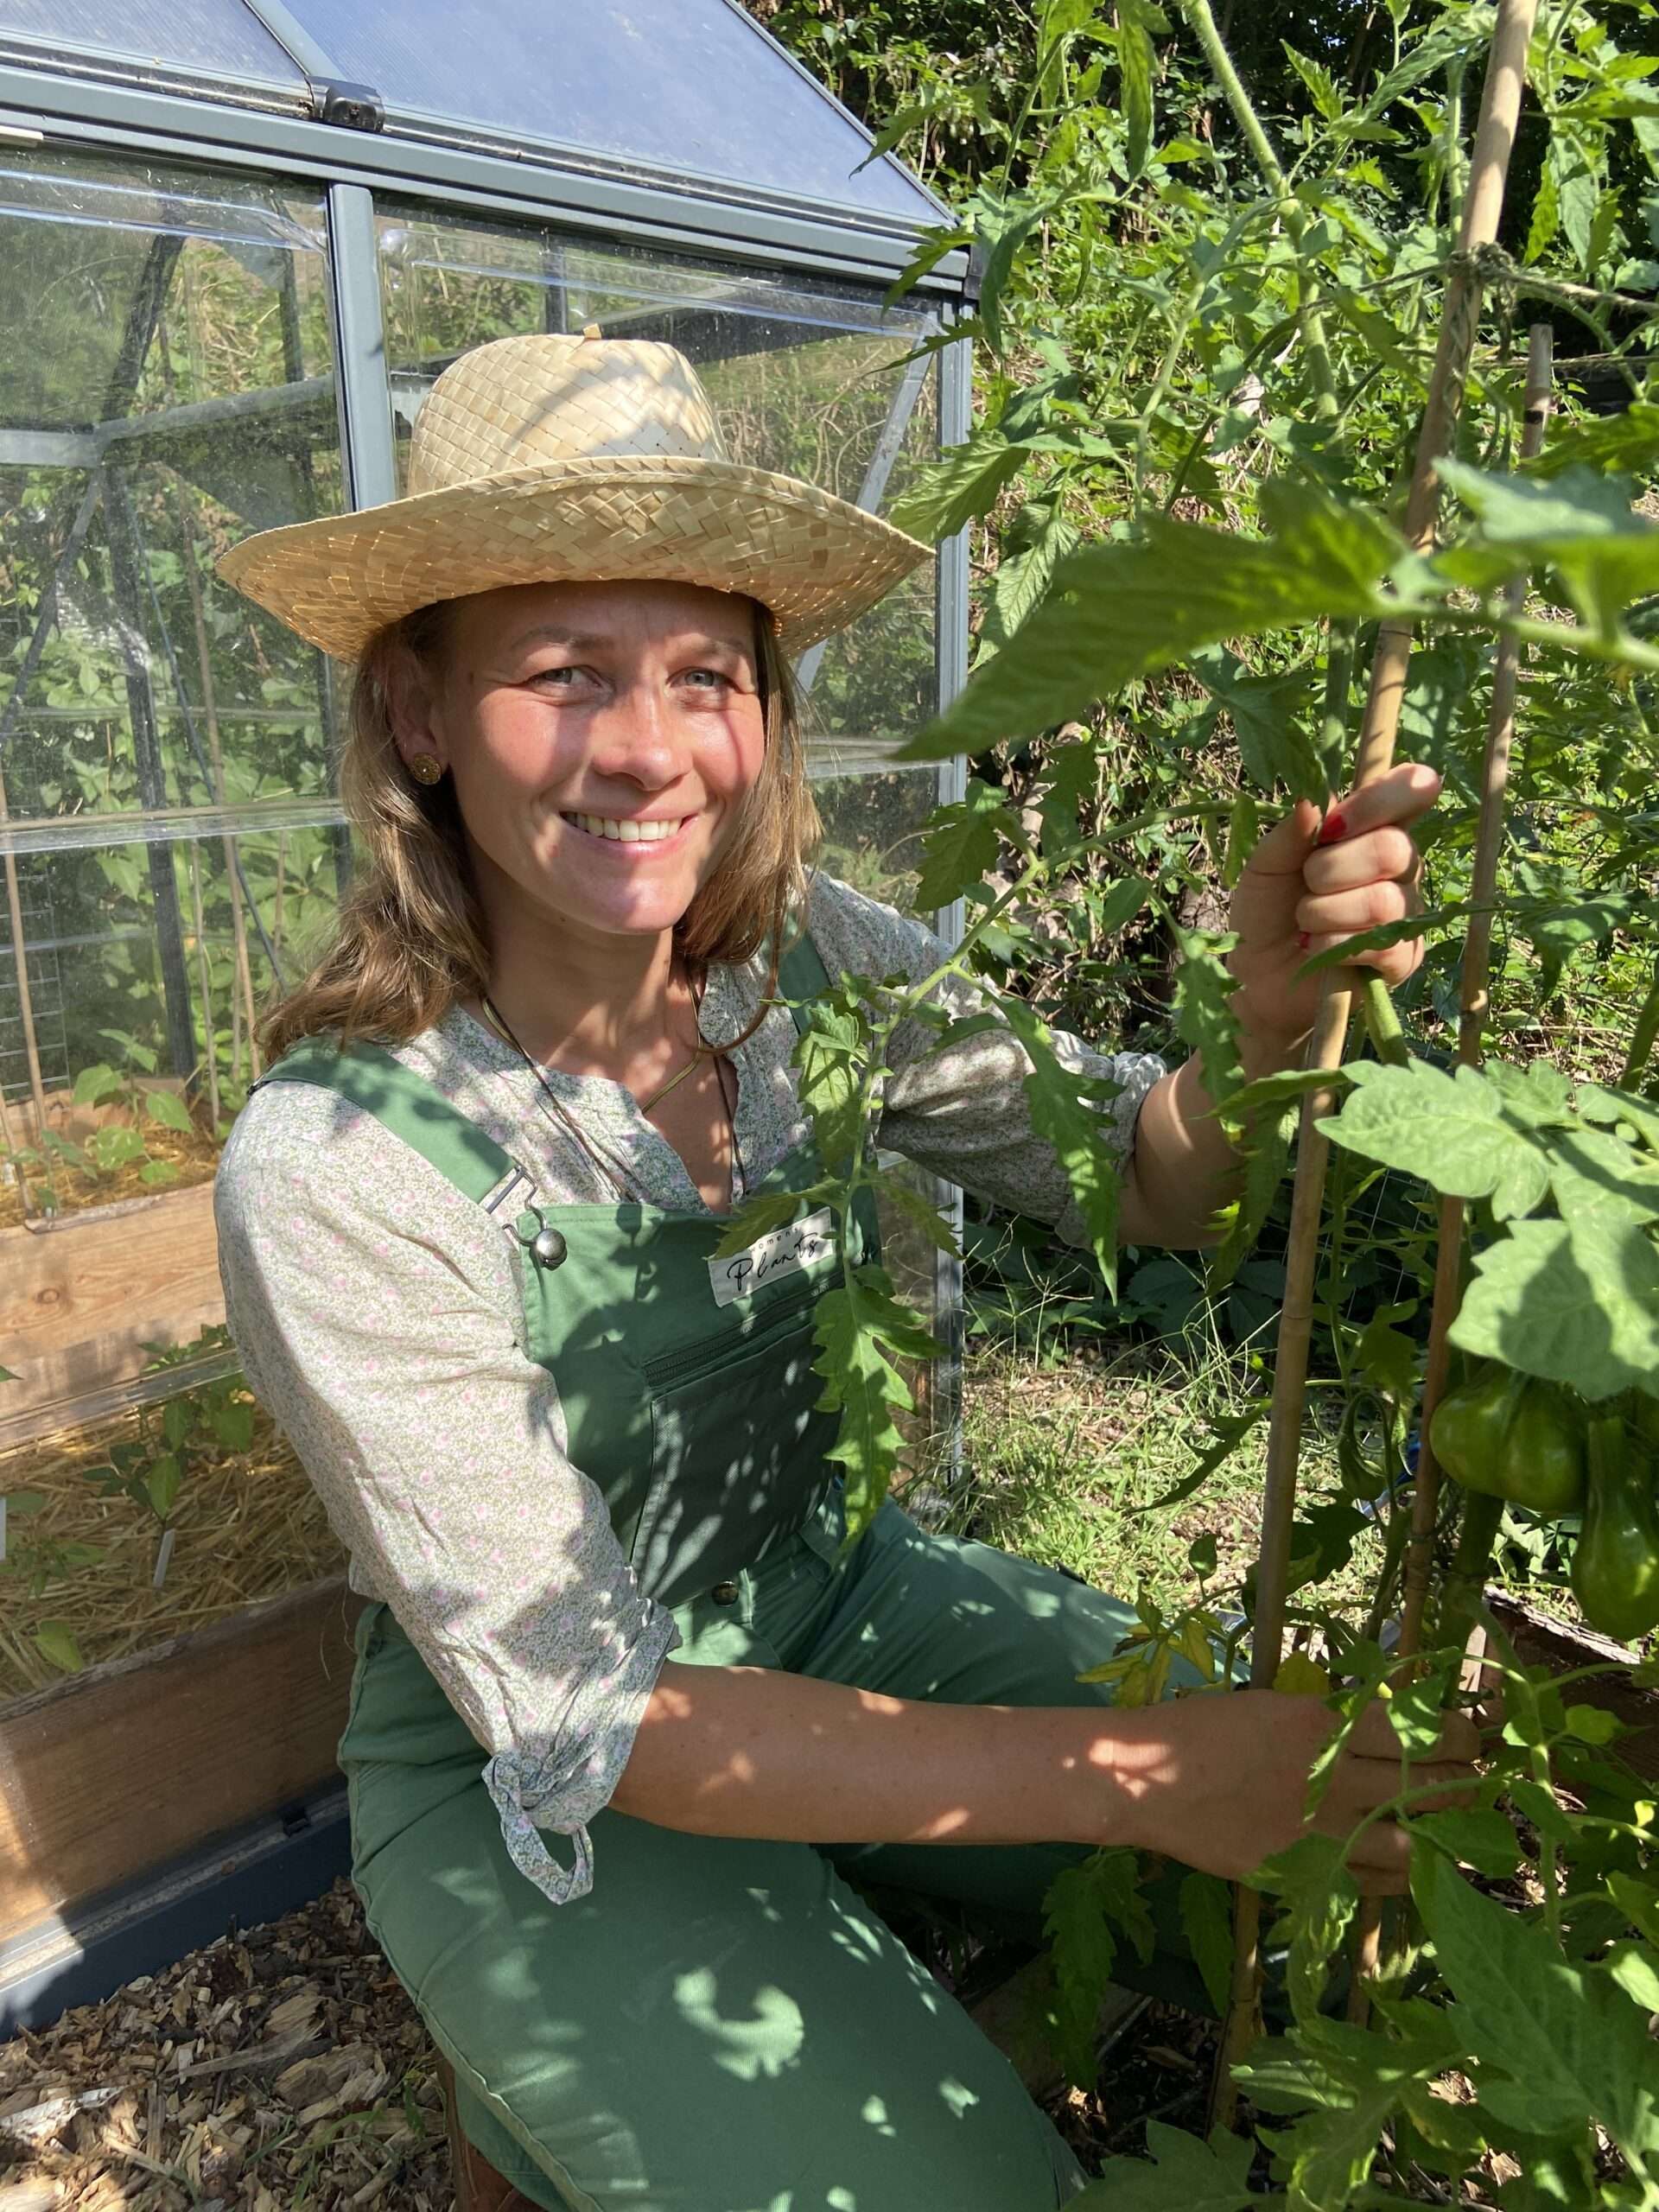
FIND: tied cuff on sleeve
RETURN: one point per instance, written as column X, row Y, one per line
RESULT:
column 577, row 1777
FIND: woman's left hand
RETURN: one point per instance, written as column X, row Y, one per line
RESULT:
column 1312, row 882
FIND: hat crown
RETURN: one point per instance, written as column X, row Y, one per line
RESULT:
column 538, row 401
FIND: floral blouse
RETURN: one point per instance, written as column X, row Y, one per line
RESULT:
column 379, row 1317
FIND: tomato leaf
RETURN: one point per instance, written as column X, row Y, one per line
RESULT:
column 1058, row 1112
column 1452, row 1130
column 1120, row 611
column 1207, row 1923
column 860, row 1329
column 1184, row 2175
column 961, row 844
column 1477, row 1836
column 1575, row 1301
column 1317, row 1899
column 960, row 486
column 1086, row 1910
column 1557, row 2042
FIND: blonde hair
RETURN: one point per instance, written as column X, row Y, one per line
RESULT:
column 410, row 941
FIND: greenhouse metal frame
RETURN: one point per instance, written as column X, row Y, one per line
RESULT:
column 105, row 110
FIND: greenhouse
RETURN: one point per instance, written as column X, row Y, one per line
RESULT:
column 239, row 242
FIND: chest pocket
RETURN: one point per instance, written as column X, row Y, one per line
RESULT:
column 737, row 1453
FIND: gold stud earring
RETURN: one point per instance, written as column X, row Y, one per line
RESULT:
column 427, row 768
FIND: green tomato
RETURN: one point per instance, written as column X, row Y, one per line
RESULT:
column 1510, row 1436
column 1616, row 1566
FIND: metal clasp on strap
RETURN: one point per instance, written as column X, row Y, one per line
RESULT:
column 529, row 1224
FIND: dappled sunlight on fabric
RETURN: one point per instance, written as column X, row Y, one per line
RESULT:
column 766, row 2043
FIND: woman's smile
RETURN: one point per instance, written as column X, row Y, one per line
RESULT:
column 633, row 831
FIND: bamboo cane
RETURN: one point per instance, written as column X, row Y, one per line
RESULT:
column 215, row 754
column 205, row 968
column 25, row 997
column 1482, row 203
column 1473, row 1000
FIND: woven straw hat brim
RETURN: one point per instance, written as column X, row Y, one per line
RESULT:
column 816, row 561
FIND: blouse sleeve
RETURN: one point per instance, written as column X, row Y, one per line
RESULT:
column 962, row 1113
column 378, row 1315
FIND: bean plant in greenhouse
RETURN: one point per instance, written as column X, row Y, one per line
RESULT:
column 1256, row 403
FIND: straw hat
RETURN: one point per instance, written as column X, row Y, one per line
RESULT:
column 555, row 459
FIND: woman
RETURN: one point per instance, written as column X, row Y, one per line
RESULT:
column 582, row 1478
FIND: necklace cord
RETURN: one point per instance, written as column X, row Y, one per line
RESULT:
column 621, row 1181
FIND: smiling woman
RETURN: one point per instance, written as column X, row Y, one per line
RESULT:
column 469, row 1225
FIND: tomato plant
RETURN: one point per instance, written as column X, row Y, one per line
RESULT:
column 1207, row 340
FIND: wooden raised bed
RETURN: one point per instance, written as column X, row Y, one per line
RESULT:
column 81, row 1297
column 116, row 1771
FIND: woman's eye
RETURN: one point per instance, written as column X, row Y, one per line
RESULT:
column 707, row 679
column 561, row 679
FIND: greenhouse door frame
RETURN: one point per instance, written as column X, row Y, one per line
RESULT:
column 285, row 1858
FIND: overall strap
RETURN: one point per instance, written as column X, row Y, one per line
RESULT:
column 802, row 975
column 405, row 1105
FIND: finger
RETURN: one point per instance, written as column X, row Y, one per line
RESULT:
column 1382, row 1881
column 1341, row 914
column 1373, row 1735
column 1400, row 796
column 1385, row 855
column 1460, row 1739
column 1393, row 963
column 1282, row 849
column 1385, row 1848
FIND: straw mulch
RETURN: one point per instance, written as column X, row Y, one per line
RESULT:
column 282, row 2066
column 194, row 1157
column 248, row 1526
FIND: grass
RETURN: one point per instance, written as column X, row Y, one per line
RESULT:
column 1065, row 1458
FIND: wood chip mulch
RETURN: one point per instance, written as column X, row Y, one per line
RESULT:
column 284, row 2069
column 279, row 2069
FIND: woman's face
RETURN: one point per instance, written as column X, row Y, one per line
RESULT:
column 602, row 738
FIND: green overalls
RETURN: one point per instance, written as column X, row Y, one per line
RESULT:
column 720, row 2024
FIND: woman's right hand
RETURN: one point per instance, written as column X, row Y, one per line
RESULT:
column 1219, row 1781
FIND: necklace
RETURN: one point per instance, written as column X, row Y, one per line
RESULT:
column 622, row 1183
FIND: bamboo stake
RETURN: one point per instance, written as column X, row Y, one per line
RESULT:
column 1482, row 203
column 205, row 968
column 1473, row 1000
column 215, row 754
column 25, row 997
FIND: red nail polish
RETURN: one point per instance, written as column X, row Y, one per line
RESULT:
column 1303, row 940
column 1334, row 826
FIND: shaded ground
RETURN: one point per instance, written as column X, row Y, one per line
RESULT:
column 283, row 2068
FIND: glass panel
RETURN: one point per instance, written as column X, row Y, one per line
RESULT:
column 692, row 87
column 127, row 1431
column 811, row 379
column 168, row 830
column 199, row 1489
column 158, row 40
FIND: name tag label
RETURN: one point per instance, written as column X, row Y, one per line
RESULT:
column 787, row 1251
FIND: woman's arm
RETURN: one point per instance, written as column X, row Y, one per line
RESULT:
column 377, row 1317
column 1217, row 1780
column 961, row 1111
column 1312, row 881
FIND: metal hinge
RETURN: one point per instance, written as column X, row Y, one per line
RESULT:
column 350, row 107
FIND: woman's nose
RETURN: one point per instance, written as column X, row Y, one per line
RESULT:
column 634, row 736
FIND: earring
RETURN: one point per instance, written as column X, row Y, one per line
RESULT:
column 427, row 768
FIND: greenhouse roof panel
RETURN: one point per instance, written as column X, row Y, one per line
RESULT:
column 216, row 47
column 690, row 88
